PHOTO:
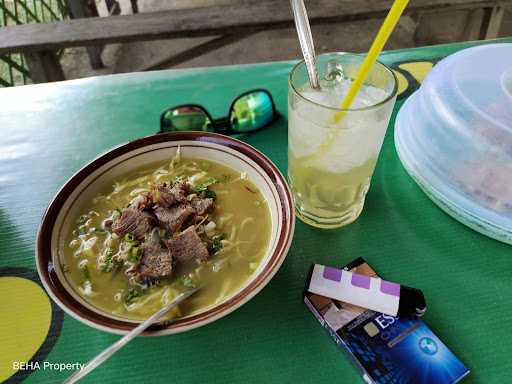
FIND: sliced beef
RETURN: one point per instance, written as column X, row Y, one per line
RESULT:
column 180, row 190
column 174, row 217
column 187, row 245
column 165, row 195
column 202, row 206
column 135, row 222
column 155, row 262
column 141, row 201
column 162, row 196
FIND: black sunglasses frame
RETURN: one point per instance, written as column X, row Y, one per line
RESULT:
column 223, row 125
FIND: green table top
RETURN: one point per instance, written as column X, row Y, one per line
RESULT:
column 49, row 131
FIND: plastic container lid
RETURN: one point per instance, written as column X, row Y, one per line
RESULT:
column 454, row 137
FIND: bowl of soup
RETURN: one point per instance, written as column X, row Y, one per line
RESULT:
column 158, row 216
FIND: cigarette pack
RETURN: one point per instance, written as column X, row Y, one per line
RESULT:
column 386, row 349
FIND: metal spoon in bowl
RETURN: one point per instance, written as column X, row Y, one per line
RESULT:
column 98, row 360
column 306, row 41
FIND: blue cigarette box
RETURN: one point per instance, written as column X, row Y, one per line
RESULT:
column 386, row 349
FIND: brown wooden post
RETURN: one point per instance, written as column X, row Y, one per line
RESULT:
column 135, row 6
column 473, row 25
column 492, row 29
column 81, row 9
column 113, row 7
column 44, row 66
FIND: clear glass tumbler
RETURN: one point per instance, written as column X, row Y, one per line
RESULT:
column 332, row 152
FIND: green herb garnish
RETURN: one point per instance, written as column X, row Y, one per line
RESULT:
column 133, row 293
column 82, row 230
column 204, row 192
column 188, row 282
column 199, row 189
column 116, row 214
column 217, row 242
column 210, row 194
column 129, row 238
column 108, row 263
column 206, row 184
column 82, row 219
column 134, row 254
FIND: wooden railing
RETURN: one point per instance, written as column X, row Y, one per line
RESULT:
column 13, row 68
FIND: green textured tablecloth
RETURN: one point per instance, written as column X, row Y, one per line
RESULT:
column 49, row 131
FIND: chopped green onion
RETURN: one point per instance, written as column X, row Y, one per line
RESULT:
column 134, row 254
column 116, row 214
column 204, row 191
column 82, row 230
column 108, row 263
column 209, row 193
column 199, row 189
column 217, row 242
column 187, row 281
column 133, row 293
column 129, row 238
column 211, row 181
column 82, row 219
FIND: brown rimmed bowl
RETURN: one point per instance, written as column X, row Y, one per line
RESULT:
column 93, row 177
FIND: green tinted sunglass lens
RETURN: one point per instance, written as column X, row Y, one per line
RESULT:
column 188, row 118
column 251, row 111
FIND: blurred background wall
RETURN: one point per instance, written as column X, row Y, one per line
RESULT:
column 443, row 26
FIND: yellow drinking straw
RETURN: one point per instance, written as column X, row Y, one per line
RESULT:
column 382, row 37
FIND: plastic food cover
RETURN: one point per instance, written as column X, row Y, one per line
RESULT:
column 454, row 137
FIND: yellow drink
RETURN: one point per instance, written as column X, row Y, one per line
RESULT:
column 330, row 161
column 329, row 194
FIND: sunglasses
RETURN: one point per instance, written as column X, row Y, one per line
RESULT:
column 249, row 112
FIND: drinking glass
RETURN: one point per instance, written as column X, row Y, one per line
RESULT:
column 332, row 152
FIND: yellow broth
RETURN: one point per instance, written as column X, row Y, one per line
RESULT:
column 241, row 215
